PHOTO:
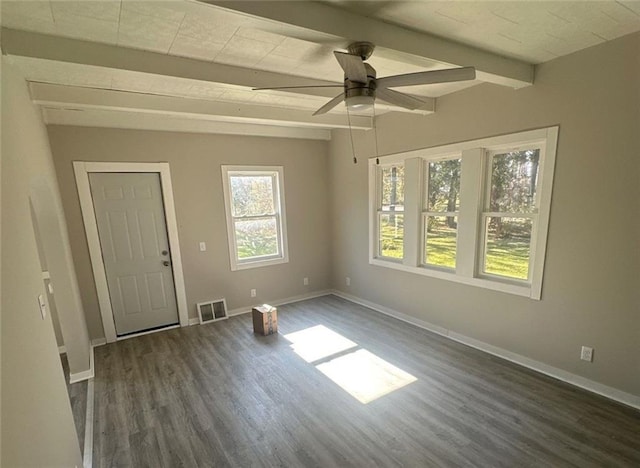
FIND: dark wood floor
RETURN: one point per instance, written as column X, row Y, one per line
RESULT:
column 217, row 395
column 78, row 398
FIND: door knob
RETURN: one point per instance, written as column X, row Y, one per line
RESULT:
column 165, row 263
column 165, row 252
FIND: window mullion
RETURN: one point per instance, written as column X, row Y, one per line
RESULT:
column 374, row 209
column 469, row 232
column 412, row 210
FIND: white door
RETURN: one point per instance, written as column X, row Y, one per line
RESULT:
column 135, row 249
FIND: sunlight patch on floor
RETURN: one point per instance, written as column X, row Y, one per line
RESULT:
column 365, row 376
column 360, row 373
column 315, row 343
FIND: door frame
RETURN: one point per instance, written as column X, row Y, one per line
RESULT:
column 82, row 169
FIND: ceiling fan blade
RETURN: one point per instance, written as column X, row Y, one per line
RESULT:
column 428, row 77
column 330, row 105
column 399, row 99
column 299, row 87
column 353, row 66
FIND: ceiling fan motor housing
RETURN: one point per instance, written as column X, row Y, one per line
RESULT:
column 355, row 88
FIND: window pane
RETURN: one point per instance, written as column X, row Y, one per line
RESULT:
column 514, row 178
column 256, row 237
column 252, row 195
column 440, row 242
column 393, row 188
column 443, row 182
column 391, row 235
column 508, row 246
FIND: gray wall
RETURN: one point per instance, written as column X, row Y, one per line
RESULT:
column 37, row 424
column 592, row 282
column 195, row 161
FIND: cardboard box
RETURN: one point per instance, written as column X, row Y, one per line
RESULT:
column 265, row 320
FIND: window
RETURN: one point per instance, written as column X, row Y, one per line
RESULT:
column 256, row 227
column 391, row 212
column 511, row 208
column 440, row 212
column 475, row 212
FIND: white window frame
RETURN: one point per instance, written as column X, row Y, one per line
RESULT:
column 424, row 213
column 487, row 213
column 277, row 172
column 473, row 189
column 379, row 212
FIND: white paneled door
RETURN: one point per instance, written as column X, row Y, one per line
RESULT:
column 135, row 249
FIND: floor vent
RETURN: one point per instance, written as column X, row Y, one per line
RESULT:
column 212, row 311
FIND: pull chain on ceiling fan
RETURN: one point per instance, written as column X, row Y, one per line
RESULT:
column 361, row 86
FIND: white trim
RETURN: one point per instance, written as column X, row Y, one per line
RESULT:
column 544, row 211
column 411, row 244
column 374, row 182
column 280, row 215
column 508, row 141
column 560, row 374
column 62, row 349
column 471, row 180
column 87, row 451
column 82, row 170
column 496, row 285
column 95, row 251
column 194, row 321
column 84, row 375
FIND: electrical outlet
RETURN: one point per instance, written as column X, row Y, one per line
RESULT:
column 305, row 281
column 203, row 246
column 253, row 293
column 348, row 281
column 586, row 354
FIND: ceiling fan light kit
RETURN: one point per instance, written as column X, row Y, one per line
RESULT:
column 360, row 103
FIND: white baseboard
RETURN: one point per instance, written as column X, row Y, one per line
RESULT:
column 560, row 374
column 87, row 450
column 62, row 349
column 287, row 300
column 194, row 321
column 84, row 375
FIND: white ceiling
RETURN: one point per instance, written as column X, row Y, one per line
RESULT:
column 238, row 41
column 532, row 31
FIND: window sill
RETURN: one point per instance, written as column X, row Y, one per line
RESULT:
column 495, row 285
column 258, row 264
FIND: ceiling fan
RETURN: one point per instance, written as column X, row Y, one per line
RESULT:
column 362, row 87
